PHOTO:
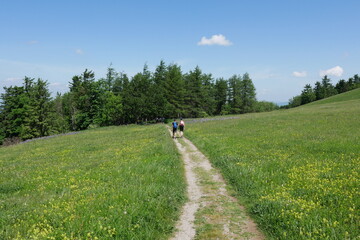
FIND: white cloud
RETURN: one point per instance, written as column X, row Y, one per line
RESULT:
column 79, row 51
column 300, row 74
column 215, row 40
column 335, row 71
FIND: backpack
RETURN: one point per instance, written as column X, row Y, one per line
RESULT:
column 174, row 124
column 182, row 123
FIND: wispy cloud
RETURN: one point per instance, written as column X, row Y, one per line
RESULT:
column 335, row 71
column 33, row 42
column 79, row 51
column 12, row 72
column 12, row 79
column 215, row 40
column 300, row 74
column 55, row 84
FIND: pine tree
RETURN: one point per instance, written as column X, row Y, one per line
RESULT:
column 29, row 127
column 60, row 123
column 138, row 103
column 175, row 92
column 327, row 88
column 14, row 106
column 208, row 93
column 220, row 97
column 111, row 75
column 40, row 114
column 318, row 91
column 196, row 92
column 356, row 81
column 159, row 90
column 118, row 85
column 234, row 92
column 85, row 100
column 307, row 95
column 342, row 86
column 43, row 107
column 127, row 95
column 247, row 94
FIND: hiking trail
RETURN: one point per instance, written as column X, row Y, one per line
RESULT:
column 211, row 212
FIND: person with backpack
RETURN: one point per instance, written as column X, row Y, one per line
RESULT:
column 182, row 126
column 175, row 126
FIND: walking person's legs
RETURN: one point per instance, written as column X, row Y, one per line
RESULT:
column 181, row 131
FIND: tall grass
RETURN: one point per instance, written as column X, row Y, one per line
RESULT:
column 107, row 183
column 297, row 171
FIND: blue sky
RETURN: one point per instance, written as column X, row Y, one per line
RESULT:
column 283, row 45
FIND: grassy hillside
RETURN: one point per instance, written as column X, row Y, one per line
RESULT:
column 116, row 182
column 298, row 170
column 347, row 96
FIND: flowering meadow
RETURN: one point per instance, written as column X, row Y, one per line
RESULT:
column 108, row 183
column 297, row 171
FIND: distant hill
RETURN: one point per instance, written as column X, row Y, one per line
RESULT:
column 282, row 103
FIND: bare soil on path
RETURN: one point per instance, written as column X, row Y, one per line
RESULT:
column 211, row 212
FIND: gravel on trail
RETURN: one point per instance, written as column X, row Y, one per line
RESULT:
column 211, row 209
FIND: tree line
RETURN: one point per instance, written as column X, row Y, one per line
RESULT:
column 29, row 111
column 323, row 89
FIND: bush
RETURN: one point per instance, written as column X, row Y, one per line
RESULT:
column 264, row 106
column 11, row 141
column 93, row 125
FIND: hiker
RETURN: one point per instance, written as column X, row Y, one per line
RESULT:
column 182, row 126
column 175, row 126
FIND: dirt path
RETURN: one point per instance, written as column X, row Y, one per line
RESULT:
column 211, row 212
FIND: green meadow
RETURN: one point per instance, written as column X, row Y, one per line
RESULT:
column 297, row 170
column 108, row 183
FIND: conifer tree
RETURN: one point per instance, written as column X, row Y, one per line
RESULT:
column 208, row 93
column 220, row 97
column 307, row 95
column 318, row 91
column 194, row 93
column 85, row 100
column 60, row 123
column 43, row 108
column 159, row 90
column 327, row 89
column 248, row 94
column 175, row 92
column 27, row 111
column 111, row 75
column 342, row 86
column 356, row 81
column 234, row 92
column 138, row 102
column 127, row 95
column 14, row 105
